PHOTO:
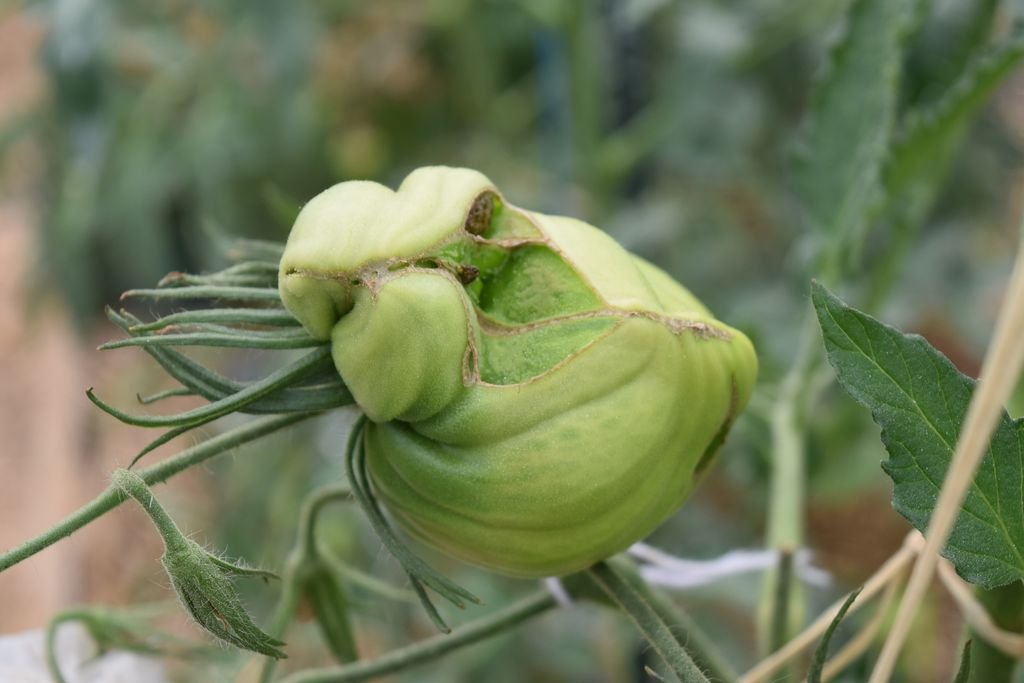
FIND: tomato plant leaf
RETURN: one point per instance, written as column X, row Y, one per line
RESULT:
column 919, row 399
column 851, row 119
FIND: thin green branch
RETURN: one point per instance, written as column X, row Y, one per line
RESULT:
column 785, row 580
column 136, row 487
column 432, row 648
column 332, row 493
column 112, row 496
column 648, row 621
column 785, row 530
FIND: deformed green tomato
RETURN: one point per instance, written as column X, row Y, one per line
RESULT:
column 539, row 398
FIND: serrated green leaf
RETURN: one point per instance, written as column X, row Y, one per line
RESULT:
column 919, row 399
column 852, row 113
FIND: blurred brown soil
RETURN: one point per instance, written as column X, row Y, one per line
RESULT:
column 56, row 450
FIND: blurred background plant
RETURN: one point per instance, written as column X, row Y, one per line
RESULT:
column 156, row 129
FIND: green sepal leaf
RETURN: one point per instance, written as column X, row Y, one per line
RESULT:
column 206, row 592
column 330, row 392
column 276, row 380
column 821, row 653
column 241, row 568
column 219, row 292
column 421, row 575
column 216, row 336
column 919, row 399
column 270, row 317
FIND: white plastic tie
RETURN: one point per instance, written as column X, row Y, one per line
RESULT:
column 667, row 570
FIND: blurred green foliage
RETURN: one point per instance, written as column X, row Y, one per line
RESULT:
column 671, row 124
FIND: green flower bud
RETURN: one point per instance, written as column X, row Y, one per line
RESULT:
column 540, row 398
column 202, row 580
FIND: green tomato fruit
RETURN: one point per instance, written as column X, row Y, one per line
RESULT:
column 539, row 398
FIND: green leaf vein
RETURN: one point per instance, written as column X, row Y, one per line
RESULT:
column 919, row 400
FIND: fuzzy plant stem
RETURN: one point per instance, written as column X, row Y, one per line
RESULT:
column 688, row 634
column 135, row 486
column 785, row 531
column 431, row 648
column 781, row 603
column 625, row 596
column 113, row 496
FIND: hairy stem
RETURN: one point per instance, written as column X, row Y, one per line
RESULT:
column 785, row 532
column 432, row 648
column 135, row 486
column 686, row 632
column 624, row 594
column 113, row 496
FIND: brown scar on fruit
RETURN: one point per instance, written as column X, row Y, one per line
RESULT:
column 480, row 213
